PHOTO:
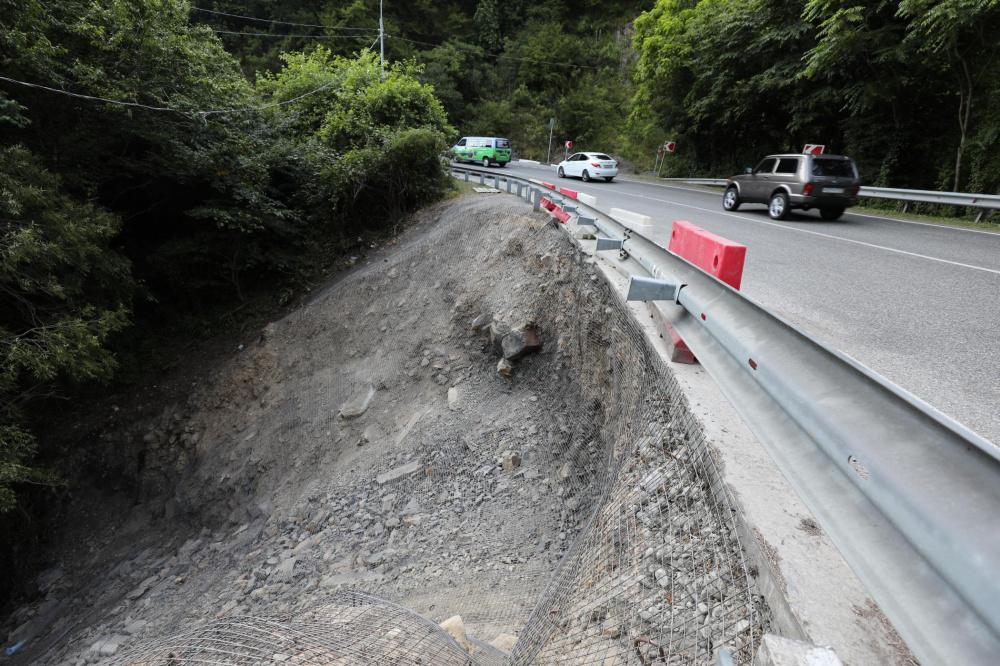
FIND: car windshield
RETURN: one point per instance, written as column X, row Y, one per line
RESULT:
column 837, row 168
column 503, row 143
column 601, row 156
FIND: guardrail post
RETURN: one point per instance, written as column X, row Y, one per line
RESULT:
column 466, row 173
column 482, row 179
column 537, row 203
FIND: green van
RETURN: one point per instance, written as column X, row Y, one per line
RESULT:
column 484, row 149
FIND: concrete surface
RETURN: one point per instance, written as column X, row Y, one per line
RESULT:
column 918, row 303
column 778, row 651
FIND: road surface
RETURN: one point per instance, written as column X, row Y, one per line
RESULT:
column 917, row 303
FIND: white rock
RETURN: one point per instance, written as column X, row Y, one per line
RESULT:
column 453, row 398
column 455, row 627
column 398, row 473
column 355, row 408
column 504, row 642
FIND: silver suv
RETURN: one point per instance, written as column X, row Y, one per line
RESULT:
column 784, row 182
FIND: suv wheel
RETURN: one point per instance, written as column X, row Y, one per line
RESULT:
column 778, row 208
column 585, row 176
column 731, row 199
column 831, row 213
column 562, row 174
column 486, row 162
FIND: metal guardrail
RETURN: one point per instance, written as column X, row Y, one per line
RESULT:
column 981, row 201
column 909, row 496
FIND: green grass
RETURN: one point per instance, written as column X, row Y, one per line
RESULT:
column 989, row 223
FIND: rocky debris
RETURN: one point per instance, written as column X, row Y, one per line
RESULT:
column 352, row 409
column 497, row 332
column 455, row 627
column 141, row 588
column 521, row 341
column 504, row 642
column 483, row 503
column 397, row 473
column 453, row 398
column 136, row 627
column 107, row 647
column 511, row 460
column 481, row 323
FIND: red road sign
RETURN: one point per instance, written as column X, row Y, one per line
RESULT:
column 813, row 149
column 670, row 146
column 569, row 145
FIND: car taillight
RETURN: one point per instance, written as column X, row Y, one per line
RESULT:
column 596, row 164
column 808, row 188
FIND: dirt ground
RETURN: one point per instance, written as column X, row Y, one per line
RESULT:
column 366, row 444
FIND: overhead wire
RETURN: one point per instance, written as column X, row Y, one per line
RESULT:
column 207, row 112
column 203, row 113
column 282, row 34
column 492, row 55
column 260, row 20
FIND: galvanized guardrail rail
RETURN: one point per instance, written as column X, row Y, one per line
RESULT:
column 984, row 202
column 910, row 497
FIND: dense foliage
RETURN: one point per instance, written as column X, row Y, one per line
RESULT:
column 908, row 88
column 189, row 188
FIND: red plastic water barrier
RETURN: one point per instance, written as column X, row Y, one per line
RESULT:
column 713, row 254
column 560, row 215
column 546, row 203
column 548, row 185
column 568, row 192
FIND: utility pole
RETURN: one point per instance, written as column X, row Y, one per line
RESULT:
column 381, row 38
column 552, row 126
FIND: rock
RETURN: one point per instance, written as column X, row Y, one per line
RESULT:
column 107, row 647
column 355, row 408
column 504, row 368
column 453, row 398
column 141, row 588
column 497, row 333
column 565, row 472
column 511, row 460
column 504, row 642
column 455, row 628
column 398, row 473
column 521, row 342
column 481, row 323
column 611, row 629
column 133, row 628
column 285, row 569
column 412, row 508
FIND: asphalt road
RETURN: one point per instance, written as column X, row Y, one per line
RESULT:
column 917, row 303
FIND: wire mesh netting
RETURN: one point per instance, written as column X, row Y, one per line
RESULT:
column 574, row 505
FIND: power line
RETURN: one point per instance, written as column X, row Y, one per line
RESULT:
column 493, row 55
column 202, row 113
column 275, row 34
column 260, row 20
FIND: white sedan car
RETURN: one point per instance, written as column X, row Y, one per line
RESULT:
column 589, row 166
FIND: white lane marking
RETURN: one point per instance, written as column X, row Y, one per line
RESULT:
column 927, row 224
column 818, row 233
column 874, row 217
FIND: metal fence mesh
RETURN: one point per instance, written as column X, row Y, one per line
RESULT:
column 575, row 505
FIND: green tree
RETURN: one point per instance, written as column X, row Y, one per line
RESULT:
column 63, row 292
